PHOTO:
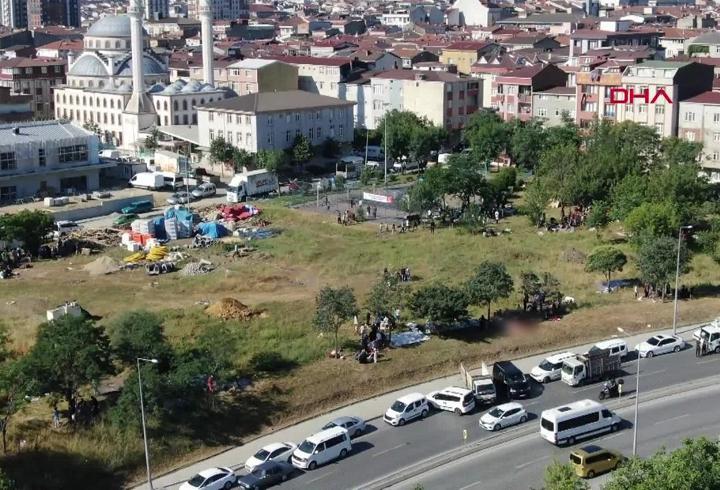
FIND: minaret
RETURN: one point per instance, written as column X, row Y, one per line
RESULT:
column 139, row 114
column 206, row 35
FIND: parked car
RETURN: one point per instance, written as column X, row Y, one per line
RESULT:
column 181, row 197
column 323, row 447
column 711, row 333
column 354, row 425
column 124, row 220
column 550, row 368
column 660, row 344
column 510, row 381
column 64, row 227
column 407, row 408
column 452, row 399
column 504, row 415
column 206, row 189
column 278, row 451
column 266, row 475
column 592, row 460
column 211, row 479
column 138, row 207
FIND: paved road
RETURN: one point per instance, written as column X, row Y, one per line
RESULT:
column 520, row 463
column 386, row 450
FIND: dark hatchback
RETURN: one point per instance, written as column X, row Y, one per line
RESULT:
column 266, row 475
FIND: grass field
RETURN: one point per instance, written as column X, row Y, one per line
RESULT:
column 282, row 279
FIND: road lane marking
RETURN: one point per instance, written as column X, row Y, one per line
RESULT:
column 321, row 477
column 466, row 487
column 384, row 451
column 528, row 463
column 677, row 417
column 613, row 436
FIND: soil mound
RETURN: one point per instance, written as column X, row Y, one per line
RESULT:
column 231, row 309
column 101, row 266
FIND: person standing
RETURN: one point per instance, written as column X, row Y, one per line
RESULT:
column 432, row 227
column 697, row 348
column 635, row 291
column 56, row 418
column 703, row 346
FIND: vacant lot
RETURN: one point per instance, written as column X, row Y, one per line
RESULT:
column 282, row 279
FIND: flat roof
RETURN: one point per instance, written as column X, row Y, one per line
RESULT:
column 40, row 132
column 185, row 132
column 276, row 102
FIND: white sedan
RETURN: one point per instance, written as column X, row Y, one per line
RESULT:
column 504, row 415
column 660, row 344
column 211, row 479
column 278, row 451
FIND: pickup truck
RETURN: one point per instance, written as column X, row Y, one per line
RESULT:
column 481, row 385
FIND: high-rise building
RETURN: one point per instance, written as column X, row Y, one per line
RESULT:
column 14, row 13
column 53, row 12
column 221, row 9
column 157, row 9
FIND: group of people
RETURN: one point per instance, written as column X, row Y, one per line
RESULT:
column 10, row 259
column 567, row 222
column 701, row 345
column 372, row 340
column 84, row 412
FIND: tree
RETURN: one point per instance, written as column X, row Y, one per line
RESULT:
column 487, row 134
column 221, row 151
column 5, row 482
column 333, row 307
column 439, row 303
column 139, row 333
column 151, row 141
column 408, row 135
column 429, row 191
column 301, row 150
column 490, row 283
column 13, row 386
column 502, row 184
column 599, row 215
column 607, row 260
column 559, row 170
column 330, row 148
column 537, row 198
column 28, row 227
column 69, row 353
column 464, row 179
column 272, row 160
column 527, row 142
column 657, row 261
column 628, row 194
column 560, row 476
column 92, row 127
column 653, row 220
column 695, row 465
column 386, row 295
column 242, row 159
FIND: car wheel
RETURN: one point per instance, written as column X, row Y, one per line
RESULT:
column 228, row 485
column 458, row 411
column 496, row 427
column 523, row 419
column 649, row 354
column 312, row 465
column 591, row 474
column 423, row 414
column 343, row 453
column 717, row 349
column 401, row 422
column 676, row 349
column 546, row 380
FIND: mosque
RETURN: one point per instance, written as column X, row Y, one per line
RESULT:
column 120, row 85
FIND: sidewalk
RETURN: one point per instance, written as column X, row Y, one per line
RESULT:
column 367, row 409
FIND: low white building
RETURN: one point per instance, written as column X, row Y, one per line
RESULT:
column 47, row 158
column 272, row 120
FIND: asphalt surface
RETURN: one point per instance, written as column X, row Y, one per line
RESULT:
column 520, row 463
column 385, row 450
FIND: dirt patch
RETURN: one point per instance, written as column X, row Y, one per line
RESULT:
column 231, row 309
column 101, row 266
column 574, row 256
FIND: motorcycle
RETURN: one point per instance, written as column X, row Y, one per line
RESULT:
column 611, row 390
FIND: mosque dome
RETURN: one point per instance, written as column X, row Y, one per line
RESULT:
column 88, row 66
column 111, row 26
column 157, row 88
column 150, row 67
column 192, row 86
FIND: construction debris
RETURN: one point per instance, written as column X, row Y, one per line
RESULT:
column 101, row 266
column 197, row 268
column 105, row 237
column 231, row 309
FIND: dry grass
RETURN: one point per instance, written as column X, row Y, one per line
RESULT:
column 311, row 252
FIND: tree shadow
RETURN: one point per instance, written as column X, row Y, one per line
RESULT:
column 271, row 362
column 703, row 291
column 53, row 470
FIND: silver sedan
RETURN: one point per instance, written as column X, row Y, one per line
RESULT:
column 354, row 425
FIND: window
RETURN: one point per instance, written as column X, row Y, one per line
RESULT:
column 212, row 135
column 342, row 130
column 230, row 137
column 690, row 136
column 716, row 156
column 578, row 421
column 247, row 119
column 74, row 153
column 41, row 157
column 716, row 136
column 211, row 116
column 287, row 136
column 8, row 193
column 239, row 137
column 628, row 108
column 690, row 116
column 184, row 105
column 7, row 161
column 38, row 91
column 716, row 117
column 659, row 109
column 542, row 112
column 642, row 108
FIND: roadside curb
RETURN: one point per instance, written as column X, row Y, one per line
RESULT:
column 461, row 452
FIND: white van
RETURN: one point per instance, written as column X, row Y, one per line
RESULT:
column 617, row 347
column 406, row 408
column 577, row 420
column 712, row 334
column 322, row 448
column 550, row 368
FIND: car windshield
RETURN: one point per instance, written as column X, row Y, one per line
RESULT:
column 567, row 369
column 496, row 413
column 307, row 447
column 486, row 389
column 329, row 425
column 653, row 341
column 575, row 459
column 196, row 481
column 516, row 378
column 546, row 365
column 398, row 406
column 258, row 473
column 262, row 455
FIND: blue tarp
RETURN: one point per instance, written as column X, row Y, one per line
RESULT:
column 159, row 227
column 213, row 229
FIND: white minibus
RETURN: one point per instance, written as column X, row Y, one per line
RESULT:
column 577, row 420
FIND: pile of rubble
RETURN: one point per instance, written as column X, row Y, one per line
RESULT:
column 197, row 268
column 231, row 309
column 105, row 237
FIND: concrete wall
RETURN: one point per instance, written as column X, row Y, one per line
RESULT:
column 94, row 208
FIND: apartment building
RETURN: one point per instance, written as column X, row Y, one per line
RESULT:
column 261, row 75
column 651, row 92
column 221, row 9
column 512, row 92
column 464, row 53
column 553, row 104
column 699, row 121
column 42, row 13
column 36, row 77
column 444, row 98
column 319, row 75
column 272, row 120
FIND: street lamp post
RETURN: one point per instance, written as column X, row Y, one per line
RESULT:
column 637, row 396
column 677, row 276
column 142, row 415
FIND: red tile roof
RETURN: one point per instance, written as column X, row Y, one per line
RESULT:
column 468, row 45
column 20, row 62
column 705, row 98
column 312, row 60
